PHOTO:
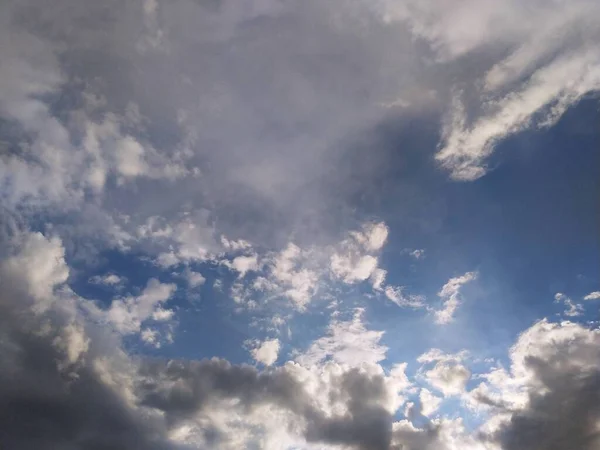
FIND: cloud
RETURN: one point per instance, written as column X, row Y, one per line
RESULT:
column 378, row 278
column 64, row 382
column 347, row 342
column 297, row 273
column 448, row 375
column 194, row 279
column 396, row 295
column 592, row 296
column 127, row 315
column 352, row 261
column 115, row 138
column 242, row 264
column 39, row 264
column 418, row 253
column 573, row 309
column 556, row 368
column 110, row 279
column 290, row 275
column 543, row 59
column 451, row 299
column 429, row 402
column 58, row 358
column 266, row 352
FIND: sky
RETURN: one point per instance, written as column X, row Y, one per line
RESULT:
column 300, row 225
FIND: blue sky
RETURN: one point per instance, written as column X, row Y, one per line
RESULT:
column 300, row 225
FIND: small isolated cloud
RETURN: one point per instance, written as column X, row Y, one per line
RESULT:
column 355, row 258
column 127, row 314
column 451, row 298
column 418, row 253
column 194, row 279
column 110, row 279
column 573, row 309
column 396, row 295
column 150, row 337
column 592, row 296
column 266, row 352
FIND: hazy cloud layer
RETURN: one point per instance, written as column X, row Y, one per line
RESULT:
column 229, row 145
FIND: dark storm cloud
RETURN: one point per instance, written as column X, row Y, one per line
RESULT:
column 47, row 405
column 563, row 414
column 181, row 389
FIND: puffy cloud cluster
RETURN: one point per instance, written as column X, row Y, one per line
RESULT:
column 67, row 382
column 548, row 398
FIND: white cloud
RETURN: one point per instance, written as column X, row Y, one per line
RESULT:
column 592, row 296
column 373, row 236
column 346, row 342
column 448, row 378
column 266, row 352
column 194, row 279
column 243, row 264
column 573, row 309
column 289, row 275
column 150, row 337
column 127, row 314
column 448, row 374
column 39, row 264
column 550, row 62
column 130, row 158
column 418, row 253
column 378, row 278
column 429, row 402
column 110, row 279
column 396, row 295
column 352, row 269
column 353, row 260
column 451, row 299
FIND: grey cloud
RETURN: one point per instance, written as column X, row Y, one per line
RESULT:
column 48, row 400
column 182, row 389
column 563, row 412
column 263, row 101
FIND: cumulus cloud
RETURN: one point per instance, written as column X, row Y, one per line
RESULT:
column 194, row 279
column 448, row 375
column 429, row 402
column 592, row 296
column 65, row 382
column 127, row 314
column 336, row 393
column 266, row 352
column 354, row 261
column 551, row 389
column 347, row 342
